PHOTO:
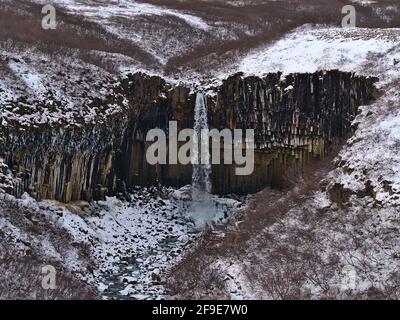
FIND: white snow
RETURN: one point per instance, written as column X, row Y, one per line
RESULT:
column 140, row 238
column 309, row 49
column 361, row 234
column 30, row 77
column 125, row 8
column 133, row 242
column 107, row 15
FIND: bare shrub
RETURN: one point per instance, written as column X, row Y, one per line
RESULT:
column 22, row 256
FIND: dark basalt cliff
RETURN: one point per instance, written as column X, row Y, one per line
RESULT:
column 295, row 118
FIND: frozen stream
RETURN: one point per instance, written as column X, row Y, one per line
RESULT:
column 194, row 209
column 163, row 243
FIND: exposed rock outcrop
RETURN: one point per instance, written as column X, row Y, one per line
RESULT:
column 295, row 118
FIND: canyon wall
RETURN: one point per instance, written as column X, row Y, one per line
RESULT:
column 295, row 119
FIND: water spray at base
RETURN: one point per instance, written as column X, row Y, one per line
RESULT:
column 203, row 208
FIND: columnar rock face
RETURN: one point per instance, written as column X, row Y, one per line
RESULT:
column 292, row 111
column 295, row 118
column 67, row 163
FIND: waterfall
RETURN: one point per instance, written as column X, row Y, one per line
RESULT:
column 202, row 204
column 201, row 154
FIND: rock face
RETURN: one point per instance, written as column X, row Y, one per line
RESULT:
column 295, row 118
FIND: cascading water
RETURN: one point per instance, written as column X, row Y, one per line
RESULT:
column 202, row 208
column 201, row 153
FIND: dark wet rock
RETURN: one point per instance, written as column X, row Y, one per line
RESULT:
column 296, row 119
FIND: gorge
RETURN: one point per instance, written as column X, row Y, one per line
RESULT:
column 105, row 177
column 296, row 118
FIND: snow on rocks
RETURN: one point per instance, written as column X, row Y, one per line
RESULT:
column 127, row 9
column 134, row 22
column 342, row 241
column 349, row 230
column 235, row 280
column 133, row 241
column 22, row 222
column 124, row 246
column 370, row 165
column 37, row 88
column 312, row 48
column 7, row 180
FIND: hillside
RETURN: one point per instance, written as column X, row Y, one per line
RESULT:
column 76, row 192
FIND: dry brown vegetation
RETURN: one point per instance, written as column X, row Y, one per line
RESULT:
column 21, row 24
column 283, row 242
column 197, row 278
column 21, row 269
column 250, row 25
column 21, row 280
column 267, row 21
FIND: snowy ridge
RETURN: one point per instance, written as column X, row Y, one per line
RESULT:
column 38, row 89
column 31, row 76
column 127, row 9
column 342, row 240
column 310, row 49
column 126, row 245
column 121, row 18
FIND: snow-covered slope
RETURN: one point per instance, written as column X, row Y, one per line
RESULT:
column 338, row 238
column 52, row 87
column 353, row 221
column 122, row 247
column 343, row 242
column 309, row 49
column 95, row 41
column 133, row 20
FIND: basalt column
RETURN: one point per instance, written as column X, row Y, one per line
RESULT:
column 295, row 118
